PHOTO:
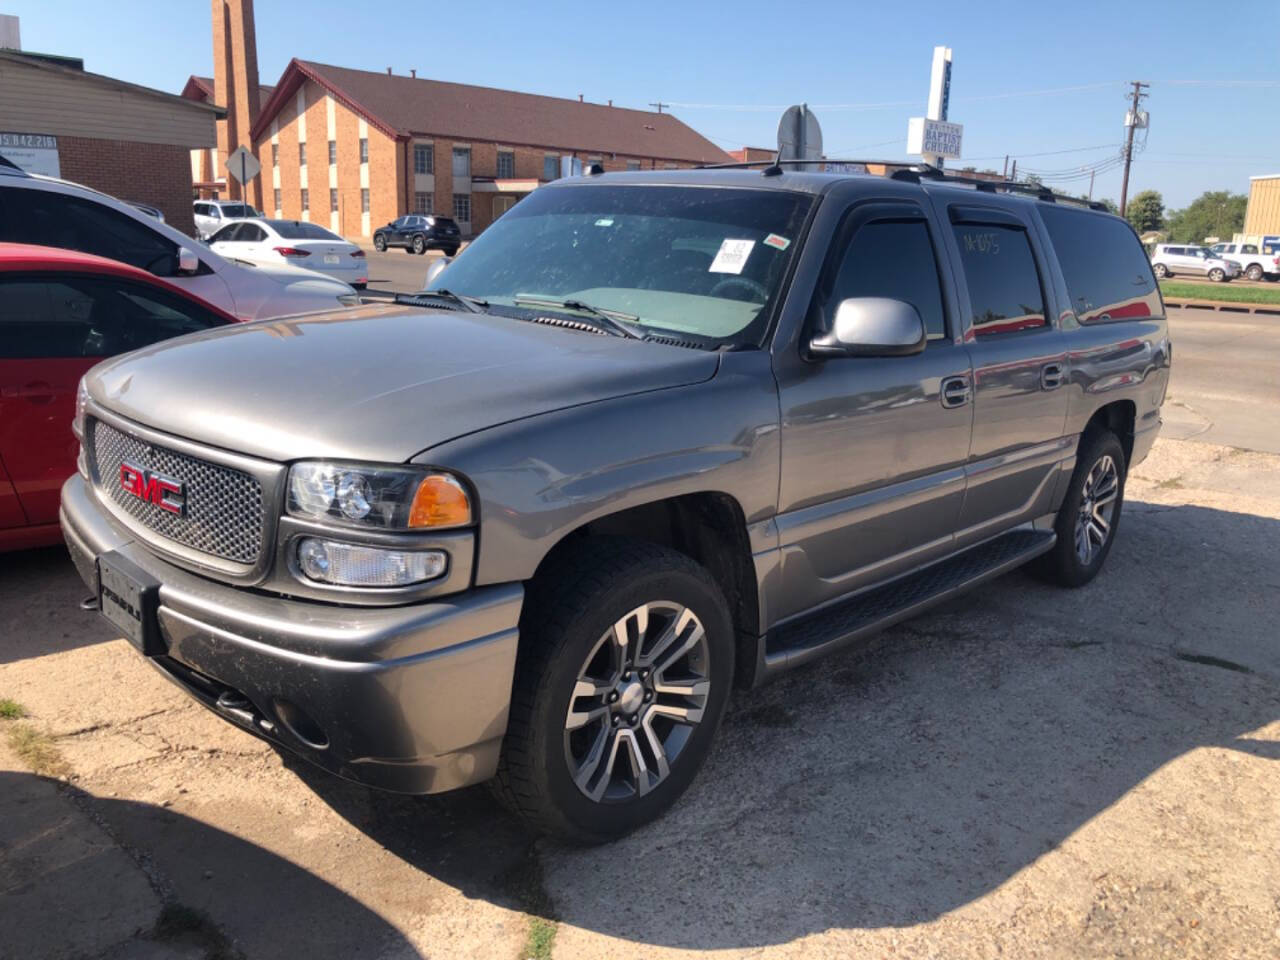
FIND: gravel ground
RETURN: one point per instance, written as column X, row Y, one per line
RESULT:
column 1024, row 772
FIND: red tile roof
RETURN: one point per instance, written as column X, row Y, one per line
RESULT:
column 402, row 106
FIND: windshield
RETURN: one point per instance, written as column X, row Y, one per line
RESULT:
column 702, row 261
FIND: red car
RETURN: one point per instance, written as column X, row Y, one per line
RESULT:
column 61, row 312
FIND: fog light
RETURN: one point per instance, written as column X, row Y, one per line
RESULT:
column 353, row 565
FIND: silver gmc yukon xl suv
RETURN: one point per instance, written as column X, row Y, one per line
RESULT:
column 650, row 436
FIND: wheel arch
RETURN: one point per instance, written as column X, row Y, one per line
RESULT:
column 1118, row 417
column 708, row 527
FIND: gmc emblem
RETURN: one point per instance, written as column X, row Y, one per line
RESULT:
column 167, row 494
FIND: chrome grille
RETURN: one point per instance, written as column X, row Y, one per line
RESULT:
column 224, row 508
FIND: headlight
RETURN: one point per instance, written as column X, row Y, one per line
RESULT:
column 356, row 565
column 388, row 498
column 82, row 401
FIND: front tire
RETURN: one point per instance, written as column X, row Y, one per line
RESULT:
column 1161, row 271
column 625, row 664
column 1086, row 523
column 380, row 243
column 1217, row 275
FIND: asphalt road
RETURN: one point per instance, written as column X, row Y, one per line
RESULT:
column 1225, row 386
column 396, row 271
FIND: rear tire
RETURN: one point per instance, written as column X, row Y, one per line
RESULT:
column 580, row 693
column 1086, row 523
column 450, row 251
column 1161, row 271
column 1254, row 272
column 419, row 245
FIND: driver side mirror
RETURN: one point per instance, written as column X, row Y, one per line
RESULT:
column 188, row 262
column 871, row 327
column 436, row 268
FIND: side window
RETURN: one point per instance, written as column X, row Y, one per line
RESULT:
column 74, row 223
column 226, row 234
column 1249, row 248
column 1107, row 272
column 892, row 258
column 251, row 233
column 1004, row 284
column 67, row 316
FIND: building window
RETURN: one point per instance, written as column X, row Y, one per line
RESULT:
column 423, row 158
column 302, row 153
column 275, row 154
column 422, row 203
column 669, row 166
column 462, row 207
column 633, row 164
column 462, row 162
column 506, row 164
column 306, row 200
column 364, row 201
column 278, row 201
column 550, row 167
column 364, row 149
column 333, row 151
column 333, row 200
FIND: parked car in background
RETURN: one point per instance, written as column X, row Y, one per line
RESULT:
column 418, row 234
column 1252, row 261
column 154, row 212
column 428, row 543
column 60, row 313
column 56, row 213
column 1171, row 259
column 293, row 242
column 212, row 215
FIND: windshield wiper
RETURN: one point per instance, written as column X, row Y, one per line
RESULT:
column 611, row 320
column 474, row 304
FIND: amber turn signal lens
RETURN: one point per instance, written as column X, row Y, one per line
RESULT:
column 440, row 502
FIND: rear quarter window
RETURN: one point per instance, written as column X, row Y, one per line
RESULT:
column 1107, row 272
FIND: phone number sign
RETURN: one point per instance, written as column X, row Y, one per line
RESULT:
column 33, row 152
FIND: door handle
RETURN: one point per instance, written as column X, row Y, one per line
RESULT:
column 1051, row 376
column 955, row 392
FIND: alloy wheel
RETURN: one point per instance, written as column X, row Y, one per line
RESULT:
column 638, row 698
column 1097, row 509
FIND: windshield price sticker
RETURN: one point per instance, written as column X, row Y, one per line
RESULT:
column 777, row 242
column 732, row 256
column 604, row 223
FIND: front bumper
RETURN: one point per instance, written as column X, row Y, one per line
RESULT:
column 411, row 699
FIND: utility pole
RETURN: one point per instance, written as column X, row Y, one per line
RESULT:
column 1130, row 122
column 1092, row 173
column 1005, row 174
column 659, row 105
column 1013, row 175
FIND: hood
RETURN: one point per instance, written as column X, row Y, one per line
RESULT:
column 262, row 292
column 376, row 383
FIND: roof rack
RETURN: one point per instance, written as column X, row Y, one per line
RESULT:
column 915, row 172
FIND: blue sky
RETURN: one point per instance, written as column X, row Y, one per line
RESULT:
column 1214, row 103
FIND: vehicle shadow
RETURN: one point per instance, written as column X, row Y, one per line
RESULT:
column 46, row 912
column 892, row 784
column 40, row 593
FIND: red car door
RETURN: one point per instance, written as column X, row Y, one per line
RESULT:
column 53, row 328
column 43, row 330
column 11, row 514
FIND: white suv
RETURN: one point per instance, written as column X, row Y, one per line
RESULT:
column 1170, row 259
column 1251, row 259
column 212, row 215
column 56, row 213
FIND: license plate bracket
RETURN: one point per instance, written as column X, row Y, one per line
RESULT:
column 129, row 599
column 331, row 259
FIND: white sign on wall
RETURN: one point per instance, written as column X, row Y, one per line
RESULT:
column 33, row 152
column 936, row 138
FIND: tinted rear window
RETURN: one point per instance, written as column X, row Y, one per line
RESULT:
column 1107, row 272
column 300, row 230
column 237, row 210
column 445, row 222
column 1004, row 284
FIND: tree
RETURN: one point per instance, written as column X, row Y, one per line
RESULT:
column 1033, row 180
column 1215, row 213
column 1111, row 205
column 1146, row 211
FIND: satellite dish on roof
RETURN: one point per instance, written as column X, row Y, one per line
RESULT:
column 799, row 136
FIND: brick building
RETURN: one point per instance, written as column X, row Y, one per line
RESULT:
column 123, row 139
column 354, row 149
column 208, row 165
